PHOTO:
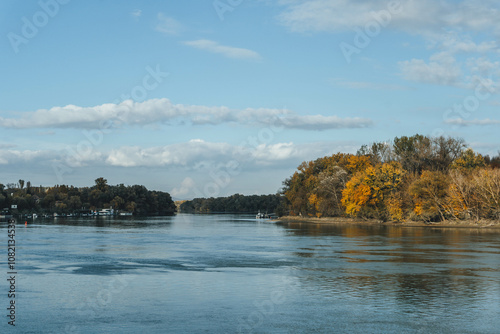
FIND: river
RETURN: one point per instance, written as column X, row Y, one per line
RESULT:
column 236, row 274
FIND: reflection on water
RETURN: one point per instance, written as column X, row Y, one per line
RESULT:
column 230, row 274
column 424, row 271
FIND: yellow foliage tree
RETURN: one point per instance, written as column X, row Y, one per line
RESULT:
column 357, row 163
column 395, row 208
column 468, row 161
column 429, row 193
column 315, row 202
column 369, row 192
column 356, row 194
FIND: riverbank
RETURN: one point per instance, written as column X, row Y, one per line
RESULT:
column 343, row 221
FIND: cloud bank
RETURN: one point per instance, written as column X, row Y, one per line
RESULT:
column 424, row 17
column 163, row 111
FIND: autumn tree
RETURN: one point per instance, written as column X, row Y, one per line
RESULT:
column 468, row 160
column 488, row 188
column 423, row 186
column 429, row 192
column 463, row 200
column 369, row 194
column 474, row 194
column 357, row 196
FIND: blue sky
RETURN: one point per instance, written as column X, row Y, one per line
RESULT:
column 211, row 98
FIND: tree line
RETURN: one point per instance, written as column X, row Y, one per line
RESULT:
column 69, row 199
column 233, row 204
column 418, row 178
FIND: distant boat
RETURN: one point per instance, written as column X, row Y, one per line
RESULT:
column 261, row 215
column 125, row 213
column 266, row 215
column 105, row 212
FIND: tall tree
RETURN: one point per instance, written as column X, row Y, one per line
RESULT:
column 101, row 184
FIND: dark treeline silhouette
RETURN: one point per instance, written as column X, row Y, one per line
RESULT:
column 233, row 204
column 418, row 178
column 65, row 199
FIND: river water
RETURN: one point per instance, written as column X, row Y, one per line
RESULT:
column 235, row 274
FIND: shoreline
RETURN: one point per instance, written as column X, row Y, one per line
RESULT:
column 490, row 224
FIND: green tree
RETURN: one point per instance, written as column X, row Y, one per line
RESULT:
column 445, row 151
column 74, row 203
column 118, row 203
column 101, row 184
column 414, row 153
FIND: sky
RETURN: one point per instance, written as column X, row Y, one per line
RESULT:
column 205, row 98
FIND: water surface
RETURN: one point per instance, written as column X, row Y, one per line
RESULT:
column 232, row 273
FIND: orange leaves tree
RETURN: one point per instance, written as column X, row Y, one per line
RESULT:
column 417, row 177
column 372, row 193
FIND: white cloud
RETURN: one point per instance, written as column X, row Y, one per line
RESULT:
column 442, row 69
column 12, row 157
column 168, row 25
column 160, row 111
column 484, row 67
column 446, row 25
column 81, row 156
column 227, row 51
column 199, row 154
column 466, row 45
column 193, row 155
column 478, row 122
column 319, row 122
column 425, row 17
column 183, row 154
column 187, row 185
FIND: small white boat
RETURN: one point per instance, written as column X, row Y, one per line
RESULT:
column 105, row 212
column 261, row 215
column 125, row 213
